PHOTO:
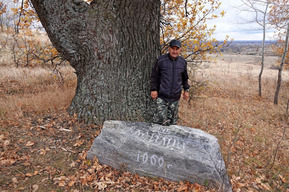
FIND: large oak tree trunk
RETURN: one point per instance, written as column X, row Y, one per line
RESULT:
column 111, row 44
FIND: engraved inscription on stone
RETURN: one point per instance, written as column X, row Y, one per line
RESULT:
column 161, row 137
column 152, row 160
column 172, row 152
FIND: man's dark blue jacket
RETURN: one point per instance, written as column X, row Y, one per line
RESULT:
column 169, row 76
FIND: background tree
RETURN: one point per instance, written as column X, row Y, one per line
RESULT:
column 279, row 19
column 28, row 43
column 2, row 11
column 187, row 21
column 281, row 67
column 260, row 9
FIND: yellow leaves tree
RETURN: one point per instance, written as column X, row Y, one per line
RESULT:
column 2, row 11
column 186, row 20
column 31, row 46
column 279, row 19
column 181, row 19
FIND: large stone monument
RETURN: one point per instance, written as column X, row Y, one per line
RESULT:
column 171, row 152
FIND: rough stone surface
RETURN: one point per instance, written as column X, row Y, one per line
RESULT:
column 171, row 152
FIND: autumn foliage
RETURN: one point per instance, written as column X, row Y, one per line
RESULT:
column 186, row 21
column 278, row 18
column 180, row 19
column 30, row 46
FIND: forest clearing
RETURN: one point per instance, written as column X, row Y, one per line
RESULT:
column 44, row 149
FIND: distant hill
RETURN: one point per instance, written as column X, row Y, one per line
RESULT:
column 248, row 48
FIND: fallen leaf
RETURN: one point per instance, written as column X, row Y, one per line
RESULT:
column 6, row 143
column 29, row 174
column 61, row 184
column 14, row 180
column 2, row 137
column 236, row 178
column 265, row 186
column 35, row 188
column 42, row 152
column 82, row 155
column 73, row 164
column 197, row 187
column 91, row 171
column 183, row 188
column 71, row 183
column 29, row 143
column 78, row 143
column 282, row 178
column 7, row 162
column 259, row 180
column 26, row 163
column 240, row 185
column 100, row 185
column 89, row 178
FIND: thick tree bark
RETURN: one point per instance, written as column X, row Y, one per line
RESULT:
column 111, row 44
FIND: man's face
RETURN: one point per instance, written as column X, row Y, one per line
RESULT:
column 174, row 51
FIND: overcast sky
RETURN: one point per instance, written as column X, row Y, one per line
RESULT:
column 235, row 23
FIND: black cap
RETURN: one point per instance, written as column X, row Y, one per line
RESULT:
column 175, row 43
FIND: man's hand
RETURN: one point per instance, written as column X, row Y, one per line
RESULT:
column 186, row 95
column 154, row 95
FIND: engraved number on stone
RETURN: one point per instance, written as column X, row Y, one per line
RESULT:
column 137, row 159
column 154, row 160
column 161, row 161
column 144, row 158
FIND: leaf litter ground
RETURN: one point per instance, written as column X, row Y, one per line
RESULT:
column 42, row 148
column 49, row 154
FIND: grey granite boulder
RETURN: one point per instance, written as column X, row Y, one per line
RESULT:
column 172, row 152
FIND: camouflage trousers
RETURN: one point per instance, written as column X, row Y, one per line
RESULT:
column 166, row 112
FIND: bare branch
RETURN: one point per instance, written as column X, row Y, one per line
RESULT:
column 19, row 19
column 186, row 3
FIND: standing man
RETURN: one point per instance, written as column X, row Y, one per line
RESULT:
column 169, row 76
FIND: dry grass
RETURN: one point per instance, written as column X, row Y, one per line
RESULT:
column 26, row 90
column 249, row 128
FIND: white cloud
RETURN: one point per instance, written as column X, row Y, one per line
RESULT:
column 235, row 23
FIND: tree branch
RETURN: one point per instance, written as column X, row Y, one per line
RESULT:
column 20, row 14
column 186, row 4
column 70, row 23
